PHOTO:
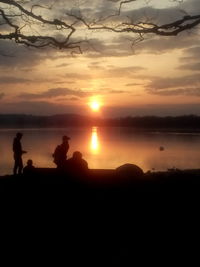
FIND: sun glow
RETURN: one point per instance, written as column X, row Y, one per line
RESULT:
column 95, row 105
column 94, row 141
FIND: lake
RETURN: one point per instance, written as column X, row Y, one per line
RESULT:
column 105, row 148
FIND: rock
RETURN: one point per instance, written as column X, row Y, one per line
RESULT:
column 129, row 171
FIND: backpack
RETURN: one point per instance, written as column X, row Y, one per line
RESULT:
column 56, row 154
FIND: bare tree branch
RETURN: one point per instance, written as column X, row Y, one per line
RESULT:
column 36, row 41
column 170, row 29
column 123, row 3
column 23, row 25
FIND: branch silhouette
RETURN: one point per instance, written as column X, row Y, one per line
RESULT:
column 19, row 20
column 25, row 18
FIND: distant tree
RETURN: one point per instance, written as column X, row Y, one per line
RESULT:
column 33, row 25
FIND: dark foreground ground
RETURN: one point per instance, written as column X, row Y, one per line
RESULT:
column 103, row 218
column 122, row 189
column 101, row 181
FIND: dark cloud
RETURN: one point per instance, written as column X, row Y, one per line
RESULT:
column 153, row 14
column 191, row 6
column 77, row 76
column 62, row 65
column 12, row 79
column 132, row 84
column 192, row 52
column 176, row 92
column 137, row 10
column 117, row 92
column 117, row 47
column 162, row 15
column 3, row 26
column 13, row 55
column 2, row 95
column 163, row 44
column 190, row 59
column 158, row 84
column 115, row 1
column 100, row 9
column 103, row 8
column 121, row 71
column 19, row 56
column 38, row 108
column 187, row 86
column 63, row 82
column 64, row 99
column 76, row 94
column 194, row 66
column 109, row 91
column 95, row 63
column 96, row 66
column 123, row 45
column 108, row 72
column 73, row 99
column 54, row 92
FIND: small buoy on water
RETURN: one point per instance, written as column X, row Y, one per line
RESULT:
column 161, row 148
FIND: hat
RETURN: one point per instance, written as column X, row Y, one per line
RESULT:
column 66, row 137
column 19, row 134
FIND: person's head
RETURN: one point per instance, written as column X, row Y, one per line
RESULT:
column 65, row 138
column 29, row 162
column 77, row 155
column 19, row 135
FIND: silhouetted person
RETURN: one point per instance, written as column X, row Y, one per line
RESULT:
column 29, row 169
column 60, row 153
column 17, row 149
column 77, row 165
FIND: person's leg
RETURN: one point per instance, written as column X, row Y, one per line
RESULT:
column 15, row 167
column 20, row 166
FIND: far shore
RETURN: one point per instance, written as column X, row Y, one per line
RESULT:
column 135, row 129
column 184, row 123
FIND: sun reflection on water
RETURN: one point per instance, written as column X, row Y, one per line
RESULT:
column 94, row 145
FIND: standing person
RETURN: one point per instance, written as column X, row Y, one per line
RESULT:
column 17, row 149
column 60, row 153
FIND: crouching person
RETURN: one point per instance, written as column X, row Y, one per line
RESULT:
column 76, row 166
column 29, row 169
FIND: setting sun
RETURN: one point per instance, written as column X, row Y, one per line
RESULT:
column 95, row 105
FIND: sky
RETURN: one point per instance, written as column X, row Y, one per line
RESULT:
column 158, row 76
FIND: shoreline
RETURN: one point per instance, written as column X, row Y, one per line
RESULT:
column 178, row 130
column 110, row 179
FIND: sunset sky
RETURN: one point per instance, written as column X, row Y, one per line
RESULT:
column 158, row 76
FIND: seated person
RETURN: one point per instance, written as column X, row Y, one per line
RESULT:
column 77, row 165
column 29, row 169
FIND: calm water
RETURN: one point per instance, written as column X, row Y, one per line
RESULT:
column 105, row 148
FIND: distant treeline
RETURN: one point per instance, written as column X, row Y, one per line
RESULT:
column 190, row 122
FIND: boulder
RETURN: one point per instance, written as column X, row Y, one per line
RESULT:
column 129, row 171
